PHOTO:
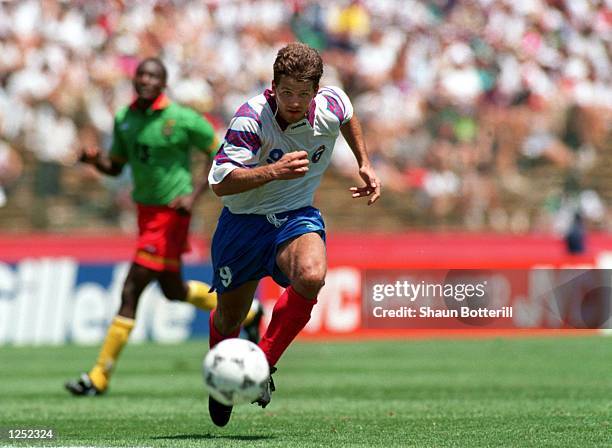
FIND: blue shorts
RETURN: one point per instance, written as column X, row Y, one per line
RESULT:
column 244, row 247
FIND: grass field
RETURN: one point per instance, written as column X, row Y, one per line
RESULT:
column 433, row 393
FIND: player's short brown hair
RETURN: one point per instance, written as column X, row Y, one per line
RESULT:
column 300, row 62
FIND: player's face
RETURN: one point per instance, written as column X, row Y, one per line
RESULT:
column 149, row 80
column 293, row 97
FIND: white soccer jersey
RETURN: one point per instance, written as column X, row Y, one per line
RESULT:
column 255, row 138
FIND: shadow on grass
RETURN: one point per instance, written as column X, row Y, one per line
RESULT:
column 209, row 436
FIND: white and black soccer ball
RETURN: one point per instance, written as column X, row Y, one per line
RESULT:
column 235, row 371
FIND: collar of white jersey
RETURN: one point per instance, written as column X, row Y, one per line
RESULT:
column 291, row 128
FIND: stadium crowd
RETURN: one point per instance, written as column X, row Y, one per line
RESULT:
column 459, row 99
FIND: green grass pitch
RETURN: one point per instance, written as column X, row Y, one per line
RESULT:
column 523, row 392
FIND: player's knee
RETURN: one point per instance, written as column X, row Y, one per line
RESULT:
column 174, row 295
column 310, row 277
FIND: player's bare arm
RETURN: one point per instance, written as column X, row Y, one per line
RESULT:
column 292, row 165
column 104, row 164
column 353, row 134
column 184, row 204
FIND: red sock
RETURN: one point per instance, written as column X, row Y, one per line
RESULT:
column 216, row 337
column 291, row 313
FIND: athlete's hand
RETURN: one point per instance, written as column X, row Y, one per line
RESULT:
column 372, row 185
column 90, row 155
column 182, row 204
column 291, row 166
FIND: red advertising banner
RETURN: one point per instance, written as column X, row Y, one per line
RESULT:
column 340, row 310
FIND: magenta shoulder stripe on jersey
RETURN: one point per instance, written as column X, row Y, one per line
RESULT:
column 246, row 110
column 222, row 158
column 226, row 159
column 270, row 100
column 334, row 106
column 243, row 139
column 334, row 95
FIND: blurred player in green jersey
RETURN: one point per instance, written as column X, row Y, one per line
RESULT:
column 154, row 136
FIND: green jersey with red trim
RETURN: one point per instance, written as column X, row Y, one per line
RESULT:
column 157, row 144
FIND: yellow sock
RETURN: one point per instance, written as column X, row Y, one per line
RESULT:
column 199, row 296
column 116, row 337
column 249, row 317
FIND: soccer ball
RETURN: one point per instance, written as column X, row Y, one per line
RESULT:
column 235, row 371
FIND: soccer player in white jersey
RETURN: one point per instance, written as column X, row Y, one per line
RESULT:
column 275, row 151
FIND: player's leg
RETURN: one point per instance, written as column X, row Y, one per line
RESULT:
column 96, row 381
column 240, row 250
column 224, row 323
column 232, row 308
column 197, row 293
column 303, row 260
column 137, row 280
